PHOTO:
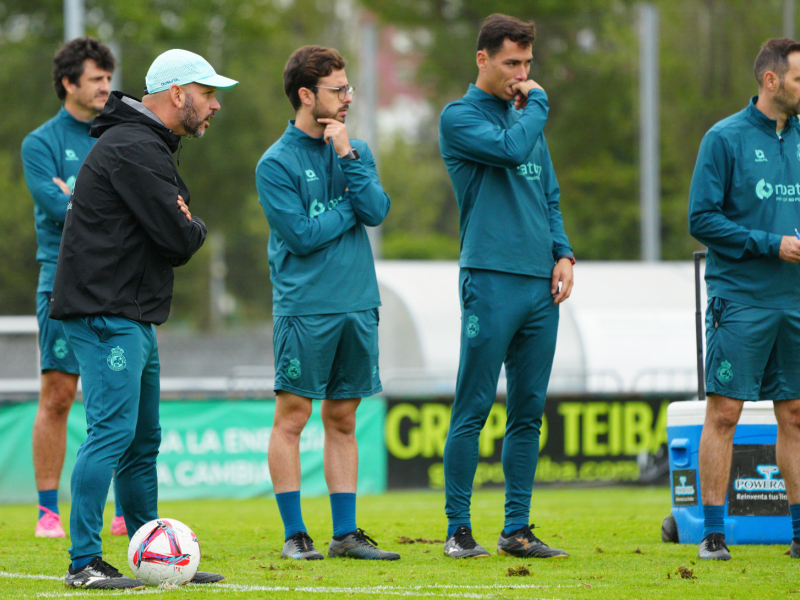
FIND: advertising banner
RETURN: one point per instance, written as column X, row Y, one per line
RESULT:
column 756, row 487
column 583, row 439
column 209, row 449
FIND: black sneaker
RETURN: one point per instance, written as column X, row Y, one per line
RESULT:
column 357, row 544
column 462, row 545
column 524, row 544
column 99, row 575
column 204, row 577
column 794, row 549
column 713, row 547
column 300, row 546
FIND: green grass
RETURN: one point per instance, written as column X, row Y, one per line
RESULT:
column 612, row 535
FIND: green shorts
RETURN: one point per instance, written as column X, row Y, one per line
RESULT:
column 57, row 354
column 328, row 356
column 751, row 352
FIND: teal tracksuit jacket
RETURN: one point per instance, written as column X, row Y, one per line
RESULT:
column 56, row 149
column 508, row 194
column 317, row 205
column 745, row 196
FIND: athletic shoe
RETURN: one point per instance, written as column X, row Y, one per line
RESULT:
column 357, row 544
column 99, row 575
column 49, row 525
column 300, row 546
column 118, row 526
column 713, row 547
column 203, row 577
column 523, row 544
column 794, row 549
column 462, row 545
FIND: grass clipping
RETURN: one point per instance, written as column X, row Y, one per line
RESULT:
column 518, row 571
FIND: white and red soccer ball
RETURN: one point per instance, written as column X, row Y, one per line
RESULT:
column 164, row 552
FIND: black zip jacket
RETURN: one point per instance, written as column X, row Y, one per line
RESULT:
column 124, row 231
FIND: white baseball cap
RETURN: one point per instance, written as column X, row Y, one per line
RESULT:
column 179, row 67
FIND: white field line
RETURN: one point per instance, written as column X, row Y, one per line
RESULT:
column 27, row 576
column 432, row 590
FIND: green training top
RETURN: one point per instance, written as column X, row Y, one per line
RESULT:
column 56, row 149
column 317, row 204
column 745, row 197
column 504, row 182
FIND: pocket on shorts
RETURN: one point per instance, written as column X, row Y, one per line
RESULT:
column 467, row 294
column 97, row 324
column 717, row 311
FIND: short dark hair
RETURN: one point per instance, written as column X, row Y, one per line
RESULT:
column 68, row 61
column 496, row 28
column 774, row 57
column 306, row 66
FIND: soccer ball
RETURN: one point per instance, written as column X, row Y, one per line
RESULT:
column 164, row 552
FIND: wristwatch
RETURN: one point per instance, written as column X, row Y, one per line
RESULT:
column 352, row 155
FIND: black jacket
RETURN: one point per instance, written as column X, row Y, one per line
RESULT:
column 124, row 231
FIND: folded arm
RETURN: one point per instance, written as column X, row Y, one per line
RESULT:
column 40, row 168
column 370, row 202
column 303, row 234
column 471, row 136
column 707, row 222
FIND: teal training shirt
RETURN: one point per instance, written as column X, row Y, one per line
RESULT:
column 504, row 183
column 317, row 205
column 56, row 149
column 745, row 196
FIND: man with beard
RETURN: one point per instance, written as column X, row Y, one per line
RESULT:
column 127, row 226
column 516, row 268
column 744, row 204
column 51, row 157
column 319, row 189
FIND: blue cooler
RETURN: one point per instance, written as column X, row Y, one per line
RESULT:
column 756, row 507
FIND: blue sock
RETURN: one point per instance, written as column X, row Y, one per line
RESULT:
column 343, row 510
column 714, row 520
column 117, row 507
column 513, row 527
column 48, row 499
column 289, row 507
column 80, row 563
column 452, row 526
column 794, row 510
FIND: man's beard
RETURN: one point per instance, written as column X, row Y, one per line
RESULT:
column 784, row 102
column 192, row 123
column 319, row 113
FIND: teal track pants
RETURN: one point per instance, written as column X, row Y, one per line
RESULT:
column 120, row 373
column 504, row 318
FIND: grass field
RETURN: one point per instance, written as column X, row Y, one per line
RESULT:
column 612, row 535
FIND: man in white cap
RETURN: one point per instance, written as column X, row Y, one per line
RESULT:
column 127, row 226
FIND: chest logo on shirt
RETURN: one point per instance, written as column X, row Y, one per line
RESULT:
column 760, row 156
column 70, row 154
column 311, row 176
column 763, row 190
column 529, row 171
column 317, row 207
